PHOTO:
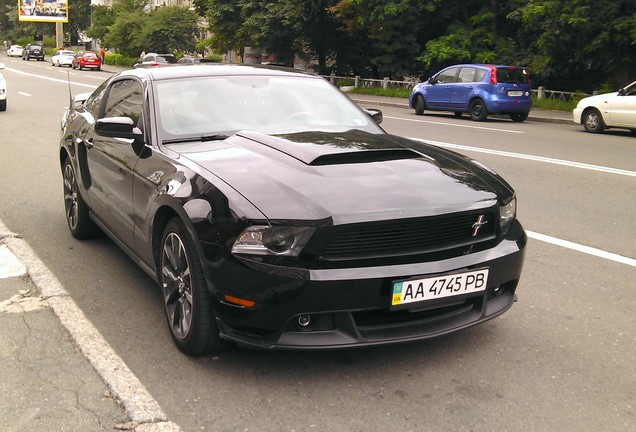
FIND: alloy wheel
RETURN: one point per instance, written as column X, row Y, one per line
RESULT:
column 176, row 282
column 70, row 196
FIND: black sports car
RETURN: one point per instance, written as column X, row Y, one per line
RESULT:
column 275, row 213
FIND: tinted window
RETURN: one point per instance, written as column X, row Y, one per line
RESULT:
column 93, row 103
column 125, row 99
column 512, row 75
column 166, row 59
column 466, row 74
column 447, row 76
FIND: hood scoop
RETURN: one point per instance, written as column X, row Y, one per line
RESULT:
column 335, row 148
column 365, row 156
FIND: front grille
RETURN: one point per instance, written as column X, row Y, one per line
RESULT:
column 406, row 236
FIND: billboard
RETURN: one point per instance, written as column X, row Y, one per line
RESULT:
column 43, row 10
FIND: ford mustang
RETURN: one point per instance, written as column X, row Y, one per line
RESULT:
column 274, row 213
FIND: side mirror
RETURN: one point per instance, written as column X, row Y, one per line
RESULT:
column 118, row 127
column 432, row 80
column 79, row 99
column 375, row 114
column 621, row 92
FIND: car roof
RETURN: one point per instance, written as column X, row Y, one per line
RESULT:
column 177, row 70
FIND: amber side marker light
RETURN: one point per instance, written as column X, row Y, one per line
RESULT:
column 239, row 301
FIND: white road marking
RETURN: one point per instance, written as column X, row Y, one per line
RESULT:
column 49, row 78
column 457, row 125
column 582, row 248
column 561, row 162
column 24, row 94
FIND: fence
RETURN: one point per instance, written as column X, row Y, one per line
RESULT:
column 386, row 83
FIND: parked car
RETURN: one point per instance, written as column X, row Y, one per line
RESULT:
column 63, row 58
column 480, row 90
column 86, row 59
column 195, row 60
column 610, row 110
column 15, row 51
column 35, row 51
column 275, row 213
column 154, row 59
column 3, row 91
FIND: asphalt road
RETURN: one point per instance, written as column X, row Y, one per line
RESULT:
column 562, row 359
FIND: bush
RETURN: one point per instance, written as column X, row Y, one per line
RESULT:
column 117, row 59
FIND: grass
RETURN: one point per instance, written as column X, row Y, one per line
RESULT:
column 550, row 104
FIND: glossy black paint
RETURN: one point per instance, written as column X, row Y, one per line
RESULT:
column 134, row 184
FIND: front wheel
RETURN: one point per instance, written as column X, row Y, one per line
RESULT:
column 420, row 105
column 518, row 117
column 188, row 303
column 593, row 121
column 478, row 110
column 79, row 222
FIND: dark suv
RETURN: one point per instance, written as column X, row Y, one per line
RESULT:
column 476, row 89
column 33, row 51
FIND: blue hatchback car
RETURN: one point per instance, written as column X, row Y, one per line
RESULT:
column 476, row 89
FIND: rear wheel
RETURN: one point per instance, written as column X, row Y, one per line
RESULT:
column 420, row 105
column 79, row 223
column 3, row 105
column 188, row 303
column 593, row 121
column 518, row 117
column 478, row 110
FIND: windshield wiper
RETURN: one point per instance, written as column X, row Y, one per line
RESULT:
column 215, row 137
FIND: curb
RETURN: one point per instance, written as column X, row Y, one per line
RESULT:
column 143, row 411
column 531, row 117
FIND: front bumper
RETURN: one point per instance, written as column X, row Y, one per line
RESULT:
column 352, row 307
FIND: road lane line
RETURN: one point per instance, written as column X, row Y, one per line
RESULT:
column 561, row 162
column 582, row 248
column 24, row 94
column 456, row 125
column 49, row 78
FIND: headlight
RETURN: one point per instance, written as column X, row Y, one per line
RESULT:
column 507, row 213
column 272, row 240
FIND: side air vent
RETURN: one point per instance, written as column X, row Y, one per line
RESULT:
column 365, row 156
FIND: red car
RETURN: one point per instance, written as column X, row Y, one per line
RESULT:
column 87, row 59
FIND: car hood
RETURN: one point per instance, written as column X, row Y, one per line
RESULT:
column 350, row 177
column 597, row 99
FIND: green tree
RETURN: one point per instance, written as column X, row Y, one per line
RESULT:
column 168, row 29
column 580, row 44
column 79, row 18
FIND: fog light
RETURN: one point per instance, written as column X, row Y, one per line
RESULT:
column 497, row 290
column 304, row 320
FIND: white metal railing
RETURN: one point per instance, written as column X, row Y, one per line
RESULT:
column 540, row 93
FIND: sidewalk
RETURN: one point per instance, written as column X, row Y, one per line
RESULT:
column 57, row 373
column 536, row 114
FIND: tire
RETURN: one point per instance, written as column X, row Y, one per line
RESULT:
column 187, row 302
column 477, row 110
column 420, row 105
column 518, row 117
column 593, row 121
column 458, row 114
column 75, row 208
column 3, row 105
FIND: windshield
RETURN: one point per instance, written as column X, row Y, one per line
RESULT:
column 267, row 104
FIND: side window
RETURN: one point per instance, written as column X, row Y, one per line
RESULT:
column 125, row 99
column 448, row 76
column 94, row 101
column 466, row 75
column 480, row 74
